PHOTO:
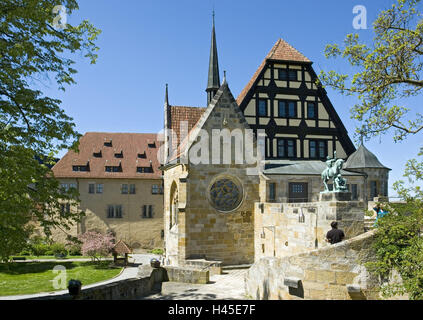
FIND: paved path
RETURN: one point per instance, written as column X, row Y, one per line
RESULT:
column 127, row 273
column 227, row 286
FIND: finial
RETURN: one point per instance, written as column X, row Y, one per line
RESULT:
column 166, row 95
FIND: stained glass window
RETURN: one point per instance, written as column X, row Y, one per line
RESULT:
column 225, row 194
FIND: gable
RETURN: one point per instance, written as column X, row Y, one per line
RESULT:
column 278, row 98
column 222, row 116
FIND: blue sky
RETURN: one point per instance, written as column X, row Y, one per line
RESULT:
column 146, row 44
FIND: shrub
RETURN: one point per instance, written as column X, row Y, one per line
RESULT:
column 58, row 248
column 74, row 250
column 25, row 252
column 48, row 253
column 157, row 251
column 40, row 249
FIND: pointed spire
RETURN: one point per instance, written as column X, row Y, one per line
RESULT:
column 213, row 83
column 166, row 96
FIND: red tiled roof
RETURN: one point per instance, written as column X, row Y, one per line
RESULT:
column 281, row 51
column 121, row 248
column 180, row 113
column 130, row 143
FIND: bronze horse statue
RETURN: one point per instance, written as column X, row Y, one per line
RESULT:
column 331, row 173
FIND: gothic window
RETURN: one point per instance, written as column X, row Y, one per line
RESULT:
column 225, row 194
column 173, row 218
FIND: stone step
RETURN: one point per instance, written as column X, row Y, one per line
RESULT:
column 238, row 266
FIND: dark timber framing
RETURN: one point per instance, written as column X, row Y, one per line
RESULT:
column 302, row 130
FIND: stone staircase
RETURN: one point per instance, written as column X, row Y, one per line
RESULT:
column 369, row 223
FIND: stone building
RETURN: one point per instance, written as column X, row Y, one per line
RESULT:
column 272, row 210
column 120, row 186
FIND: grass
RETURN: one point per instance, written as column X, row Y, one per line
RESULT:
column 34, row 277
column 50, row 257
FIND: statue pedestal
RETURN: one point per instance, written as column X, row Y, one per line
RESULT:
column 337, row 206
column 335, row 196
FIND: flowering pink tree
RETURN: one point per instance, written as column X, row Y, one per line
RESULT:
column 96, row 245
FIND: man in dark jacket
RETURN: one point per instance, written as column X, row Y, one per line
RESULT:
column 335, row 235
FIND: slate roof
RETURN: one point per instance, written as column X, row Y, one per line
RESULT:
column 281, row 51
column 131, row 144
column 300, row 167
column 363, row 158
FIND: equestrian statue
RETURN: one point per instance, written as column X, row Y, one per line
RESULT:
column 333, row 171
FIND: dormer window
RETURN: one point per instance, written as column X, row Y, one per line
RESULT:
column 113, row 168
column 80, row 167
column 107, row 142
column 119, row 154
column 151, row 143
column 142, row 155
column 144, row 169
column 97, row 154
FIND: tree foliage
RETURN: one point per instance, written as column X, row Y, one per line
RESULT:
column 399, row 249
column 388, row 70
column 32, row 125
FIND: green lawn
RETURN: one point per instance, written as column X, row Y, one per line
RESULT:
column 52, row 257
column 34, row 277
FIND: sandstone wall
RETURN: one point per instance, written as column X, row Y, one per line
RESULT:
column 138, row 232
column 283, row 229
column 321, row 274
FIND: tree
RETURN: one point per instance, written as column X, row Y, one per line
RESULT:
column 32, row 125
column 399, row 250
column 96, row 245
column 389, row 69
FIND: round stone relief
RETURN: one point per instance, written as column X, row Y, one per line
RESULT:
column 225, row 194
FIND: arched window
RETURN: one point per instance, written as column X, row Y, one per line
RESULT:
column 173, row 206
